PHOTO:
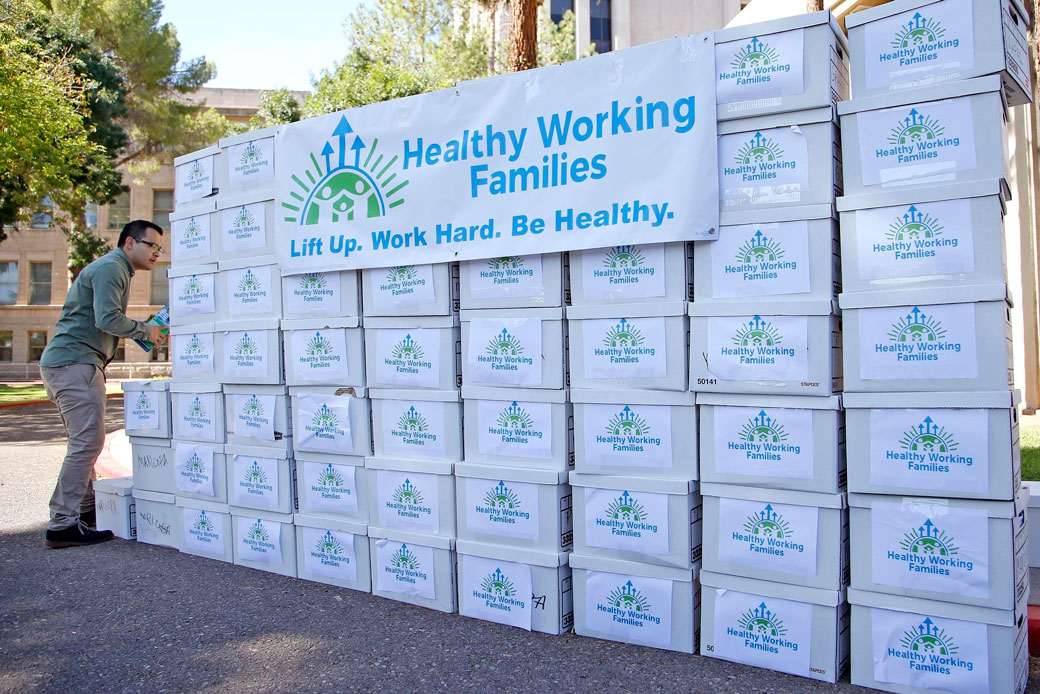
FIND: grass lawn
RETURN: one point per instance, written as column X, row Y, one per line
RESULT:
column 1029, row 430
column 24, row 392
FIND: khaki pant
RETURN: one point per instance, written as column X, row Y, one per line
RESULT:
column 79, row 392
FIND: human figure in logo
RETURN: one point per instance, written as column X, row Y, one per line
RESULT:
column 92, row 320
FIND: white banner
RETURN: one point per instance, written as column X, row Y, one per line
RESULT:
column 620, row 520
column 250, row 163
column 401, row 286
column 633, row 608
column 632, row 272
column 918, row 342
column 517, row 429
column 194, row 180
column 204, row 532
column 759, row 442
column 193, row 468
column 253, row 416
column 767, row 632
column 760, row 67
column 141, row 409
column 191, row 238
column 408, row 357
column 196, row 413
column 329, row 553
column 765, row 166
column 255, row 481
column 582, row 155
column 259, row 540
column 505, row 351
column 330, row 487
column 245, row 355
column 759, row 348
column 624, row 347
column 761, row 260
column 250, row 290
column 773, row 537
column 408, row 500
column 944, row 450
column 320, row 355
column 510, row 277
column 312, row 294
column 496, row 591
column 192, row 295
column 244, row 228
column 193, row 354
column 413, row 429
column 507, row 509
column 405, row 569
column 323, row 422
column 628, row 435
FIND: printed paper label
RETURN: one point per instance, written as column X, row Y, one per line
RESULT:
column 323, row 423
column 931, row 238
column 255, row 481
column 408, row 357
column 249, row 290
column 250, row 163
column 193, row 469
column 628, row 435
column 898, row 145
column 759, row 67
column 194, row 180
column 516, row 429
column 930, row 653
column 623, row 272
column 763, row 442
column 191, row 237
column 330, row 487
column 496, row 591
column 259, row 540
column 246, row 355
column 405, row 569
column 633, row 522
column 924, row 546
column 506, row 509
column 192, row 295
column 505, row 351
column 408, row 500
column 204, row 532
column 196, row 414
column 395, row 288
column 761, row 260
column 141, row 410
column 763, row 167
column 919, row 46
column 320, row 355
column 244, row 228
column 940, row 449
column 509, row 277
column 767, row 632
column 625, row 348
column 773, row 537
column 329, row 553
column 193, row 354
column 413, row 429
column 758, row 348
column 254, row 415
column 918, row 342
column 632, row 608
column 313, row 294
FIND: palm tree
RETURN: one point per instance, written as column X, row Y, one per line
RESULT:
column 523, row 35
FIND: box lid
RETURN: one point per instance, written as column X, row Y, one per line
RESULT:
column 186, row 211
column 185, row 387
column 185, row 270
column 789, row 119
column 776, row 214
column 255, row 388
column 514, row 394
column 415, row 394
column 118, row 486
column 937, row 507
column 149, row 441
column 353, row 391
column 779, row 496
column 510, row 474
column 793, row 402
column 635, row 484
column 264, row 515
column 934, row 608
column 246, row 325
column 951, row 190
column 634, row 310
column 873, row 14
column 421, row 539
column 775, row 26
column 253, row 261
column 327, row 523
column 1034, row 493
column 548, row 313
column 217, row 448
column 1000, row 399
column 924, row 296
column 433, row 467
column 814, row 307
column 156, row 384
column 159, row 497
column 226, row 201
column 632, row 568
column 408, row 322
column 192, row 329
column 257, row 451
column 251, row 136
column 321, row 323
column 199, row 504
column 502, row 553
column 772, row 589
column 632, row 397
column 197, row 154
column 308, row 457
column 933, row 92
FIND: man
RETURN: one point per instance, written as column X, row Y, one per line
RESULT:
column 73, row 367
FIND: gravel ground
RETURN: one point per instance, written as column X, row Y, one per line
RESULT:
column 124, row 616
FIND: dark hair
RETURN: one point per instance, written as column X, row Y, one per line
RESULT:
column 137, row 230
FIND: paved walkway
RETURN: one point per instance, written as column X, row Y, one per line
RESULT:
column 124, row 616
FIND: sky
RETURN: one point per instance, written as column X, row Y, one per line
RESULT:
column 262, row 44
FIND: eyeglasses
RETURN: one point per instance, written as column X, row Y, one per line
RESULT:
column 156, row 248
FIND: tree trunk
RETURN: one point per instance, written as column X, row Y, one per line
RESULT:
column 523, row 35
column 813, row 5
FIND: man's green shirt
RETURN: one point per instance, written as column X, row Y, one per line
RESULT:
column 94, row 315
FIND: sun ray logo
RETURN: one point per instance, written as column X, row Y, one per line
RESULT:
column 325, row 424
column 325, row 418
column 623, row 257
column 497, row 583
column 929, row 541
column 408, row 348
column 258, row 533
column 253, row 407
column 759, row 150
column 757, row 333
column 195, row 171
column 626, row 508
column 251, row 154
column 928, row 640
column 143, row 403
column 502, row 497
column 318, row 346
column 194, row 347
column 193, row 287
column 249, row 282
column 627, row 423
column 928, row 437
column 624, row 334
column 405, row 559
column 196, row 409
column 515, row 417
column 330, row 477
column 412, row 420
column 243, row 219
column 510, row 262
column 255, row 474
column 202, row 523
column 915, row 128
column 246, row 347
column 338, row 191
column 192, row 230
column 313, row 280
column 195, row 465
column 408, row 494
column 914, row 226
column 401, row 273
column 768, row 524
column 760, row 249
column 628, row 597
column 763, row 622
column 917, row 327
column 919, row 31
column 756, row 54
column 504, row 344
column 328, row 545
column 763, row 429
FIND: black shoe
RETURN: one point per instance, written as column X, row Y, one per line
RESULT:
column 89, row 519
column 76, row 536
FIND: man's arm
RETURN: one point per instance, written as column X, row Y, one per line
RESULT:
column 109, row 288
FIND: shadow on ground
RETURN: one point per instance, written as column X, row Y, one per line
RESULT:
column 31, row 423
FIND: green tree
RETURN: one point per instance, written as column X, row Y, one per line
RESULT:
column 276, row 108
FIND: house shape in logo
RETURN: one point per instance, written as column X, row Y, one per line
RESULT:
column 928, row 540
column 928, row 639
column 313, row 280
column 511, row 262
column 623, row 256
column 928, row 437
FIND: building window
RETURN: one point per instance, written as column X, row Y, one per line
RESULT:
column 39, row 284
column 119, row 211
column 160, row 353
column 6, row 345
column 8, row 283
column 37, row 343
column 162, row 206
column 42, row 218
column 120, row 354
column 160, row 295
column 90, row 215
column 557, row 8
column 600, row 31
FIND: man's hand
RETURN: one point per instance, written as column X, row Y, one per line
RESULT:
column 157, row 337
